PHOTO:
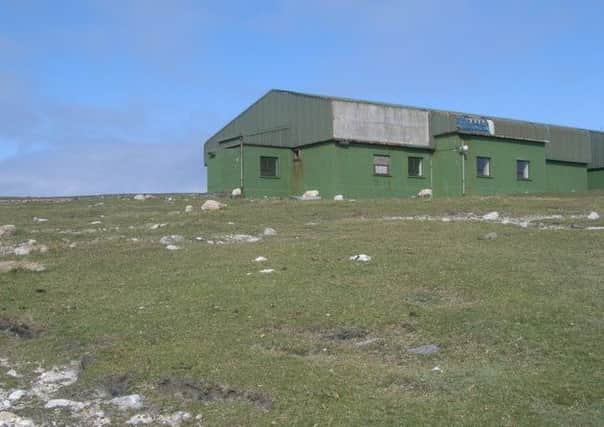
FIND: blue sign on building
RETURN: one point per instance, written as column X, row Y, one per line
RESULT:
column 469, row 124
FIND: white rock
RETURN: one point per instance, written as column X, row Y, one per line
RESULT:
column 131, row 401
column 260, row 259
column 65, row 403
column 172, row 239
column 436, row 369
column 95, row 222
column 8, row 419
column 140, row 419
column 338, row 197
column 425, row 193
column 13, row 373
column 268, row 231
column 491, row 216
column 16, row 395
column 4, row 405
column 212, row 205
column 311, row 195
column 236, row 192
column 267, row 270
column 36, row 219
column 7, row 230
column 22, row 250
column 172, row 247
column 139, row 197
column 175, row 419
column 361, row 258
column 593, row 216
column 243, row 238
column 188, row 208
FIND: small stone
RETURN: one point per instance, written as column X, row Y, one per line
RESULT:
column 172, row 247
column 593, row 216
column 489, row 236
column 436, row 369
column 36, row 219
column 9, row 419
column 7, row 230
column 268, row 231
column 13, row 373
column 425, row 349
column 139, row 197
column 16, row 395
column 267, row 270
column 338, row 197
column 131, row 401
column 212, row 205
column 172, row 239
column 188, row 208
column 260, row 259
column 140, row 419
column 360, row 258
column 491, row 216
column 311, row 195
column 236, row 192
column 95, row 222
column 65, row 403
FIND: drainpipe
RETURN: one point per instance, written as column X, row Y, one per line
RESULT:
column 241, row 163
column 463, row 150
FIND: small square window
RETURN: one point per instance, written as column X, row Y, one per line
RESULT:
column 522, row 169
column 415, row 166
column 483, row 166
column 269, row 167
column 381, row 165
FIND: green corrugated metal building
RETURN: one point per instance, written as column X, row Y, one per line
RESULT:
column 287, row 142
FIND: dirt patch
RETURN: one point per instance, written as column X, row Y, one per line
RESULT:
column 348, row 333
column 117, row 384
column 204, row 391
column 21, row 329
column 8, row 266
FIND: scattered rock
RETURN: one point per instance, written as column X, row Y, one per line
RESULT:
column 236, row 192
column 156, row 226
column 172, row 239
column 212, row 205
column 491, row 216
column 139, row 197
column 267, row 270
column 188, row 208
column 131, row 401
column 311, row 195
column 175, row 419
column 436, row 369
column 12, row 373
column 260, row 259
column 172, row 247
column 8, row 419
column 593, row 216
column 426, row 193
column 16, row 395
column 7, row 230
column 97, row 222
column 36, row 219
column 360, row 258
column 338, row 197
column 245, row 238
column 65, row 403
column 425, row 349
column 8, row 266
column 30, row 246
column 489, row 236
column 268, row 231
column 139, row 419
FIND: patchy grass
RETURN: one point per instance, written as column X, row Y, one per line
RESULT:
column 322, row 340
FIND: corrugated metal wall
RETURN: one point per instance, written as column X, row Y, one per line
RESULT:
column 279, row 119
column 597, row 150
column 565, row 144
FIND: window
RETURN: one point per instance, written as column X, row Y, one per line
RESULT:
column 381, row 165
column 483, row 166
column 522, row 169
column 415, row 166
column 268, row 167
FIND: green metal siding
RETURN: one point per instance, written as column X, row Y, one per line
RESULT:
column 597, row 150
column 257, row 186
column 317, row 169
column 595, row 179
column 563, row 177
column 355, row 177
column 278, row 119
column 446, row 165
column 224, row 170
column 504, row 154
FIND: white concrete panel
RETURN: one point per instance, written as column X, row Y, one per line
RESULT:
column 378, row 123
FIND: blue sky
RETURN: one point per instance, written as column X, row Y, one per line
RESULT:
column 118, row 96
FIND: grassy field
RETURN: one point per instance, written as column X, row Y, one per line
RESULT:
column 322, row 340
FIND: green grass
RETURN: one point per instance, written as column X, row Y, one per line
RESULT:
column 519, row 319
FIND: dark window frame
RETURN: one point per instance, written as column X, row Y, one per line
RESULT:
column 520, row 176
column 479, row 173
column 263, row 168
column 377, row 163
column 420, row 173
